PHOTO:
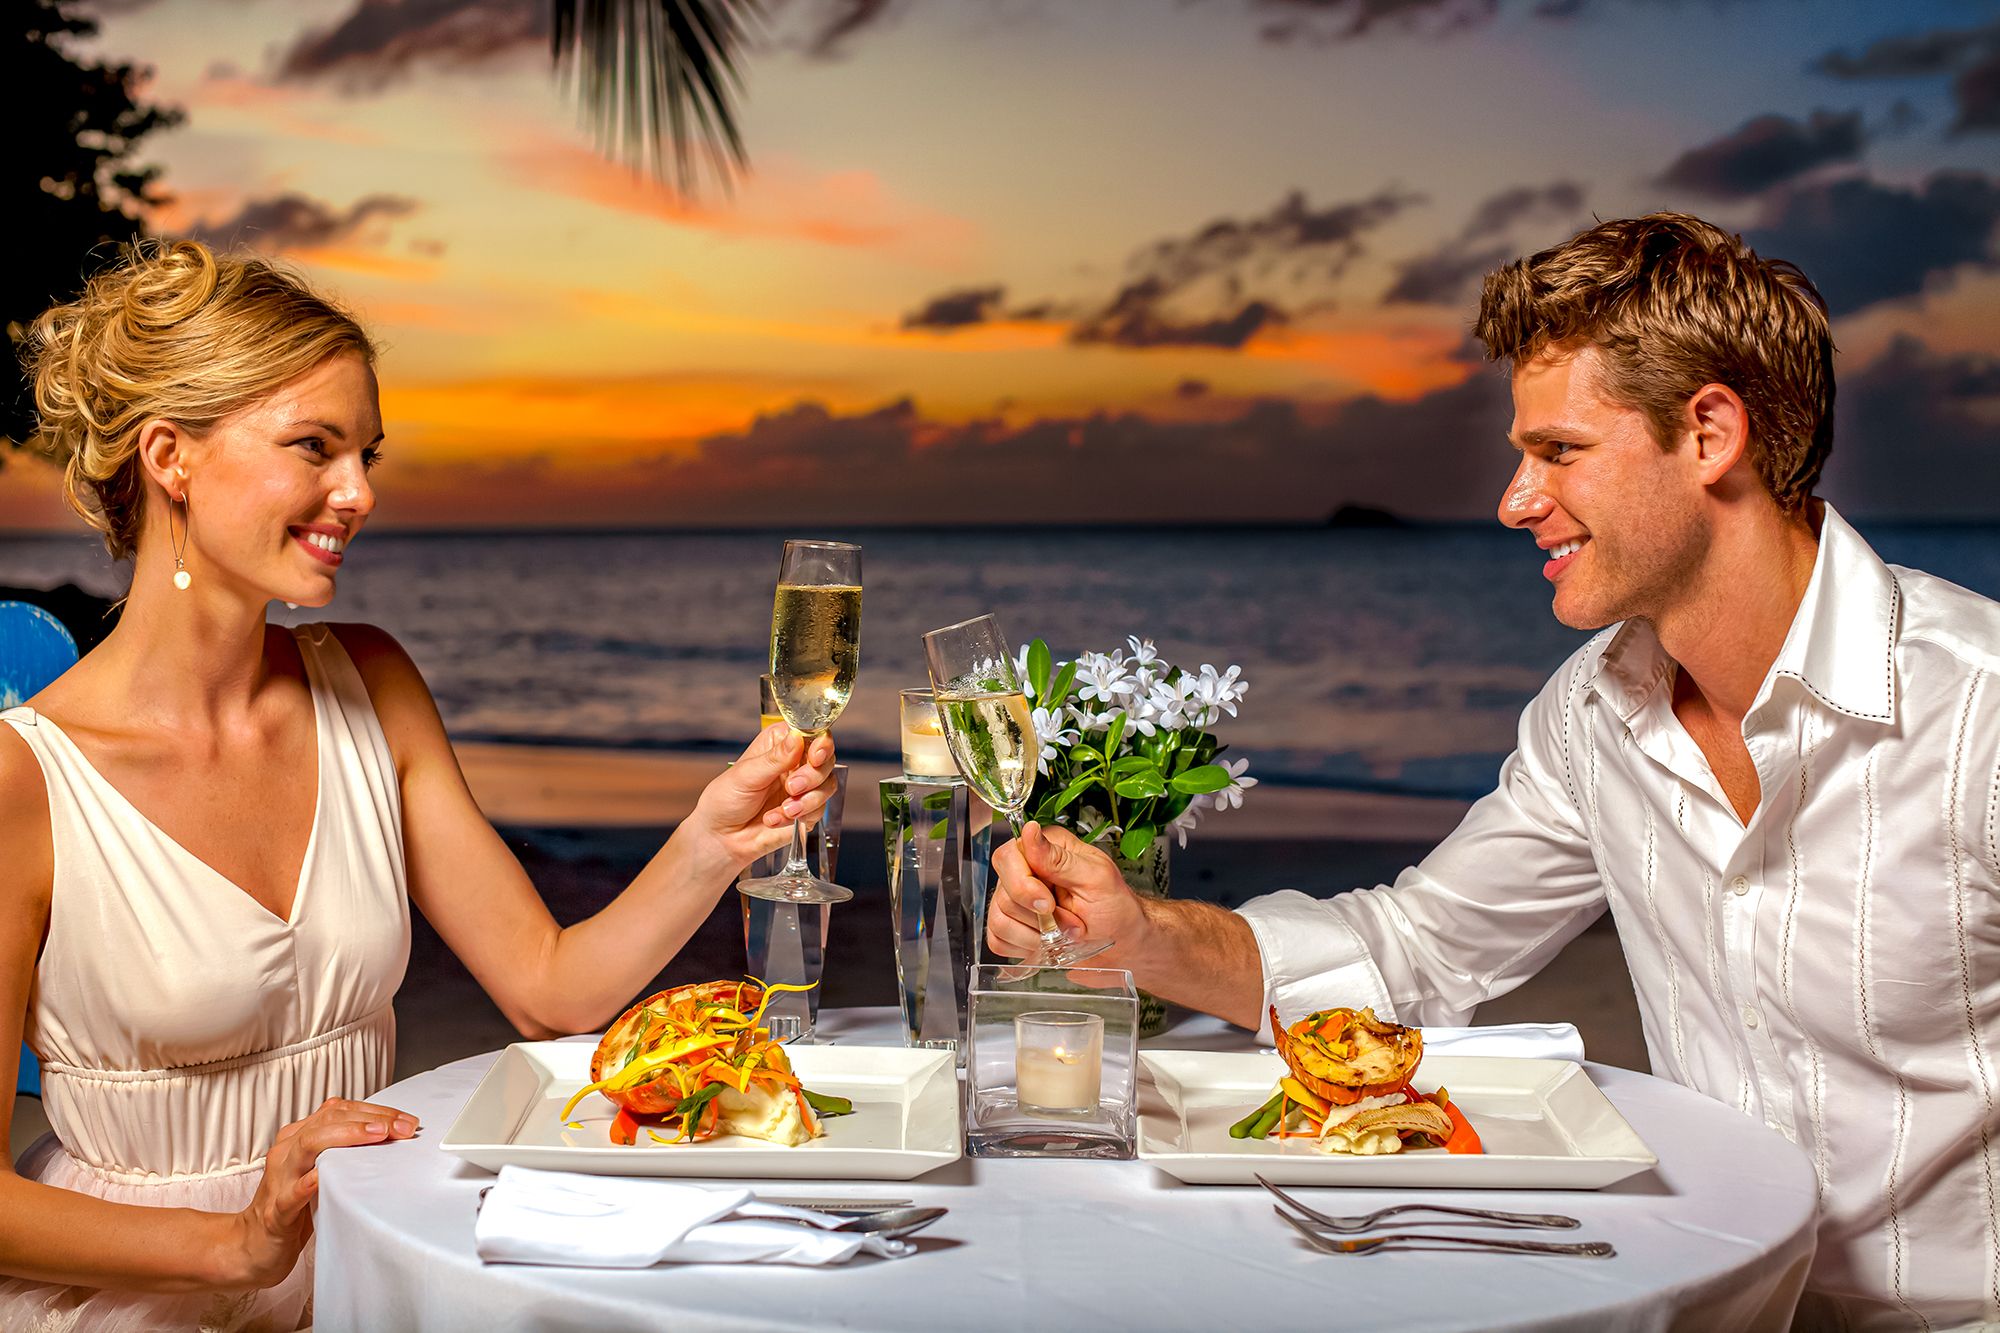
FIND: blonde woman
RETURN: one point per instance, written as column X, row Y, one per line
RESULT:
column 214, row 827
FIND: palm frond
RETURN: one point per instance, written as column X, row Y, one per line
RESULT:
column 658, row 81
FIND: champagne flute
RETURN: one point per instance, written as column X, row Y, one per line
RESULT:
column 815, row 652
column 992, row 738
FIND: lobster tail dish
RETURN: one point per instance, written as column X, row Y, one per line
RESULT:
column 695, row 1059
column 1347, row 1088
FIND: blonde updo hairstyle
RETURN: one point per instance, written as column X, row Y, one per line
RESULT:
column 175, row 332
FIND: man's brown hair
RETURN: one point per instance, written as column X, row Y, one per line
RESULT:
column 1674, row 303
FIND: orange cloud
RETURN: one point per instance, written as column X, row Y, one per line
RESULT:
column 272, row 109
column 1399, row 364
column 846, row 209
column 517, row 416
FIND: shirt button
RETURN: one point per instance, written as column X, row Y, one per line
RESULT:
column 1739, row 886
column 1750, row 1017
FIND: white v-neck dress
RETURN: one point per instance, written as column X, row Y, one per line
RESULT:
column 180, row 1024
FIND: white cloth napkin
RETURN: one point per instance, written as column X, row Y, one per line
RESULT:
column 561, row 1217
column 1520, row 1041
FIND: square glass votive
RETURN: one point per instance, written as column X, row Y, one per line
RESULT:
column 1053, row 1063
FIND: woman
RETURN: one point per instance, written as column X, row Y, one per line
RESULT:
column 214, row 826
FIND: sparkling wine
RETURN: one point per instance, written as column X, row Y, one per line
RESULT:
column 992, row 739
column 815, row 651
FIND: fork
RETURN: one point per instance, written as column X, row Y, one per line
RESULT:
column 1588, row 1249
column 1354, row 1224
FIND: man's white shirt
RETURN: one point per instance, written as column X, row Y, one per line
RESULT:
column 1832, row 968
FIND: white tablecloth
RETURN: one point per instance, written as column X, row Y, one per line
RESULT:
column 1718, row 1237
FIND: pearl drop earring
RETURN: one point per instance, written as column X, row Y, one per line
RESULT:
column 181, row 576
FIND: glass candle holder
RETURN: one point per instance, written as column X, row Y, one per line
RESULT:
column 925, row 754
column 1052, row 1069
column 1059, row 1062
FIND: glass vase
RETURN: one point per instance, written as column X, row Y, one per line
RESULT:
column 1150, row 876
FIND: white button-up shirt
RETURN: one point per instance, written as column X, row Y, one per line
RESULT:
column 1832, row 968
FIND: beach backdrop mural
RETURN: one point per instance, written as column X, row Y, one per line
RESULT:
column 1058, row 292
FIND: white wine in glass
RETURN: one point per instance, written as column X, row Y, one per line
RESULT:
column 991, row 734
column 815, row 654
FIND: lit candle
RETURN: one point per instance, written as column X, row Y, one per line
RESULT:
column 925, row 754
column 1058, row 1062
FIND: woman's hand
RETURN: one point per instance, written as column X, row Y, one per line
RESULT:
column 748, row 810
column 267, row 1236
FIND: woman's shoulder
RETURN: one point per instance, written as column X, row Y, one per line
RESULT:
column 24, row 821
column 396, row 689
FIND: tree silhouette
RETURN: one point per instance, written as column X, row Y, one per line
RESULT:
column 74, row 191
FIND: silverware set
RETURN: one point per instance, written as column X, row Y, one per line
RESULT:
column 1314, row 1227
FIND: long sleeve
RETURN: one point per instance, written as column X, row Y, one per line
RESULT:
column 1482, row 913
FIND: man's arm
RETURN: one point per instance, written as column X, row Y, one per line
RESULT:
column 1194, row 954
column 1487, row 909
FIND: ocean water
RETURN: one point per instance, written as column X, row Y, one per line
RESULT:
column 1391, row 660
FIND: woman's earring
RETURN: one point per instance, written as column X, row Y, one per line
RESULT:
column 181, row 576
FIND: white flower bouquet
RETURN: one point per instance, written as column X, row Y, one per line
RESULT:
column 1126, row 751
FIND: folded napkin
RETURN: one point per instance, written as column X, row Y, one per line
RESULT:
column 560, row 1217
column 1520, row 1041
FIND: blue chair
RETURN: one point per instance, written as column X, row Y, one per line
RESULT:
column 34, row 650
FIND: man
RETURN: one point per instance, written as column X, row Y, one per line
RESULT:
column 1776, row 768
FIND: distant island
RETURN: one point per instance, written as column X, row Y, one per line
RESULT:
column 1362, row 516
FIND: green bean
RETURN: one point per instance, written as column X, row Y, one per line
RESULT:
column 1246, row 1128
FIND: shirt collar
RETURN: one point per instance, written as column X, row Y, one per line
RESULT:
column 1841, row 645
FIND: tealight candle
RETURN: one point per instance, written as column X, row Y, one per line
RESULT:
column 1058, row 1062
column 925, row 754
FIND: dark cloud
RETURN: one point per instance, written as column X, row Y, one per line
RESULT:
column 1322, row 22
column 1441, row 456
column 296, row 222
column 1764, row 152
column 1225, row 266
column 1971, row 55
column 1916, row 436
column 1445, row 275
column 1191, row 388
column 1862, row 242
column 381, row 40
column 1913, row 55
column 957, row 309
column 1219, row 286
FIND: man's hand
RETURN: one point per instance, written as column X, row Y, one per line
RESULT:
column 1047, row 870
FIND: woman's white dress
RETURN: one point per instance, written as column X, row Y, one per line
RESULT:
column 180, row 1023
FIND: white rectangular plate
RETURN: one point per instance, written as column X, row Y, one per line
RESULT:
column 905, row 1120
column 1543, row 1123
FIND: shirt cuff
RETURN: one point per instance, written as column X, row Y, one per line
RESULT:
column 1312, row 960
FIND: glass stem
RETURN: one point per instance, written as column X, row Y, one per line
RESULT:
column 796, row 864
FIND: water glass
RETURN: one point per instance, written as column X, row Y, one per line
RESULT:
column 786, row 941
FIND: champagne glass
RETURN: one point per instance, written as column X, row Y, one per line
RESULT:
column 815, row 652
column 992, row 737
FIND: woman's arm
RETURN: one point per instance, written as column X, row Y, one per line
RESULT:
column 549, row 980
column 57, row 1235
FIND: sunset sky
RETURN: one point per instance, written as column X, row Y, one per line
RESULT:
column 1072, row 260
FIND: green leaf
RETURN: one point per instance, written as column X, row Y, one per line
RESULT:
column 1059, row 689
column 1135, row 842
column 1130, row 764
column 1113, row 736
column 1198, row 781
column 1143, row 785
column 1038, row 669
column 1070, row 793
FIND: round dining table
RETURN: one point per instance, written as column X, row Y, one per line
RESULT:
column 1717, row 1236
